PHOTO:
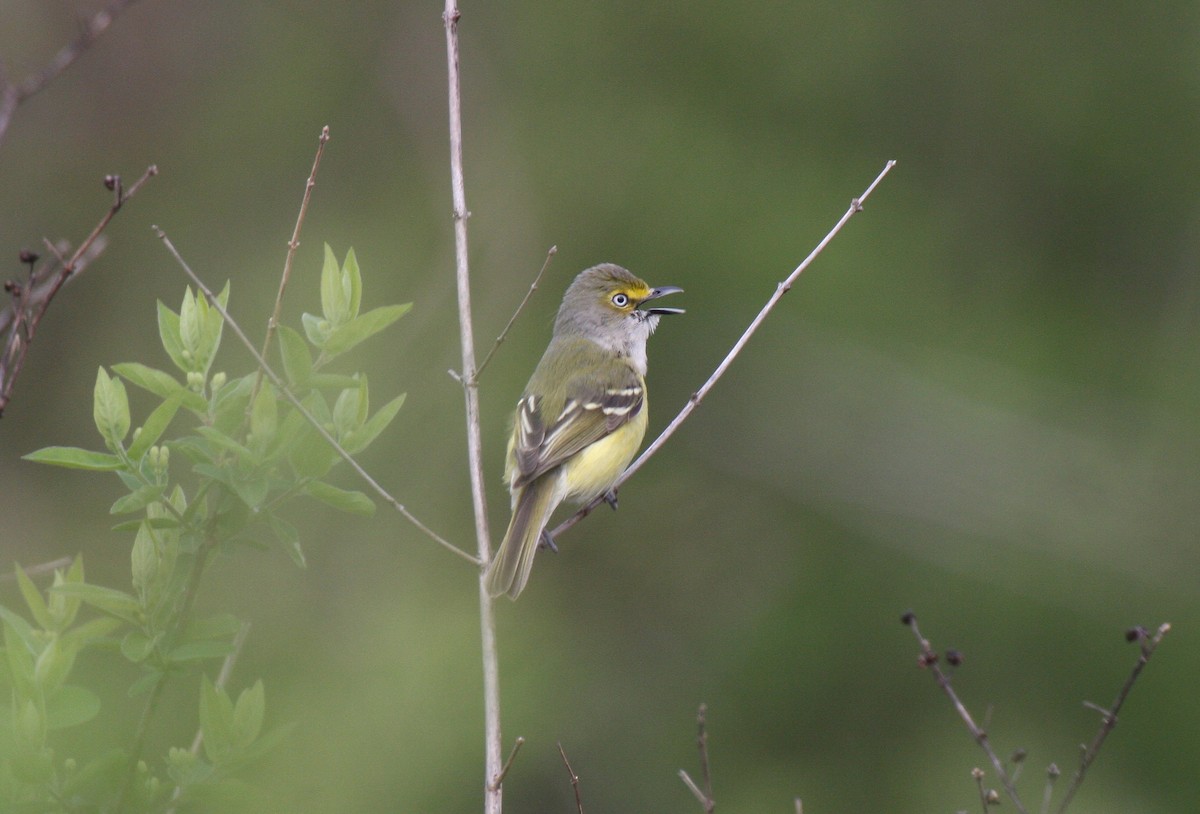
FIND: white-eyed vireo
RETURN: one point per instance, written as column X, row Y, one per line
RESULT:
column 582, row 415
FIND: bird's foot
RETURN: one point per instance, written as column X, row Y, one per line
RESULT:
column 546, row 541
column 610, row 497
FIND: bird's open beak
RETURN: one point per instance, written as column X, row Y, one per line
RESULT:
column 654, row 294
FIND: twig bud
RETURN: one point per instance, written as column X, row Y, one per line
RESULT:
column 28, row 256
column 907, row 618
column 1134, row 633
column 111, row 181
column 954, row 657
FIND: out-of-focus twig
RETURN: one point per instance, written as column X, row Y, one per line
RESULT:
column 574, row 779
column 29, row 300
column 704, row 795
column 504, row 334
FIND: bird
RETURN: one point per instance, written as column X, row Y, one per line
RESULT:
column 583, row 414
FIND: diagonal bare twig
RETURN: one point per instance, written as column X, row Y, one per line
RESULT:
column 12, row 95
column 504, row 334
column 574, row 779
column 293, row 244
column 295, row 402
column 698, row 396
column 1147, row 644
column 29, row 301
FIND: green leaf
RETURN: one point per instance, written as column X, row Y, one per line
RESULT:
column 350, row 271
column 155, row 426
column 216, row 721
column 137, row 646
column 137, row 500
column 71, row 706
column 335, row 290
column 34, row 599
column 248, row 714
column 90, row 632
column 19, row 653
column 161, row 384
column 108, row 600
column 144, row 684
column 346, row 501
column 53, row 665
column 110, row 409
column 264, row 416
column 361, row 438
column 223, row 441
column 344, row 337
column 168, row 332
column 316, row 329
column 75, row 458
column 350, row 409
column 297, row 360
column 290, row 537
column 221, row 626
column 197, row 651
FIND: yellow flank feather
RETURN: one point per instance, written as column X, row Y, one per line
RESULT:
column 593, row 471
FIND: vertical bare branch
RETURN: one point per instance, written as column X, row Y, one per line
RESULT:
column 574, row 779
column 493, row 793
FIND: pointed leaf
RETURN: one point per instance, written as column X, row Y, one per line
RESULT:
column 346, row 501
column 316, row 329
column 248, row 714
column 75, row 458
column 216, row 720
column 161, row 384
column 344, row 337
column 361, row 438
column 353, row 277
column 335, row 295
column 290, row 537
column 168, row 332
column 297, row 360
column 109, row 600
column 34, row 599
column 110, row 409
column 137, row 500
column 155, row 426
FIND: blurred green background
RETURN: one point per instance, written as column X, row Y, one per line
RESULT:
column 980, row 402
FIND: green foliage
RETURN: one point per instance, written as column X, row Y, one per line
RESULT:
column 226, row 480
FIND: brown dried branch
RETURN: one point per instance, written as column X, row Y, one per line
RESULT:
column 504, row 334
column 13, row 94
column 1108, row 720
column 574, row 779
column 705, row 795
column 28, row 301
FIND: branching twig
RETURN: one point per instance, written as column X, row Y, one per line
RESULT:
column 574, row 779
column 1147, row 644
column 503, row 334
column 30, row 300
column 295, row 402
column 498, row 780
column 12, row 95
column 781, row 289
column 293, row 244
column 705, row 795
column 492, row 796
column 929, row 660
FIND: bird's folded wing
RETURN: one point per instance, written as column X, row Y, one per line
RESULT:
column 598, row 401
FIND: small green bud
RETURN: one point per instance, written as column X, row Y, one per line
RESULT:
column 218, row 381
column 195, row 380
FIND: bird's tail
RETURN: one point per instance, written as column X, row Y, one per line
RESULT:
column 510, row 567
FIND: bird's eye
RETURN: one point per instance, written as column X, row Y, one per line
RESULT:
column 620, row 300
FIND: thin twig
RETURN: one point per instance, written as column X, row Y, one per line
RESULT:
column 291, row 397
column 40, row 568
column 503, row 334
column 1052, row 774
column 492, row 797
column 705, row 795
column 293, row 244
column 12, row 95
column 1147, row 645
column 499, row 779
column 702, row 747
column 574, row 779
column 693, row 402
column 929, row 660
column 30, row 301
